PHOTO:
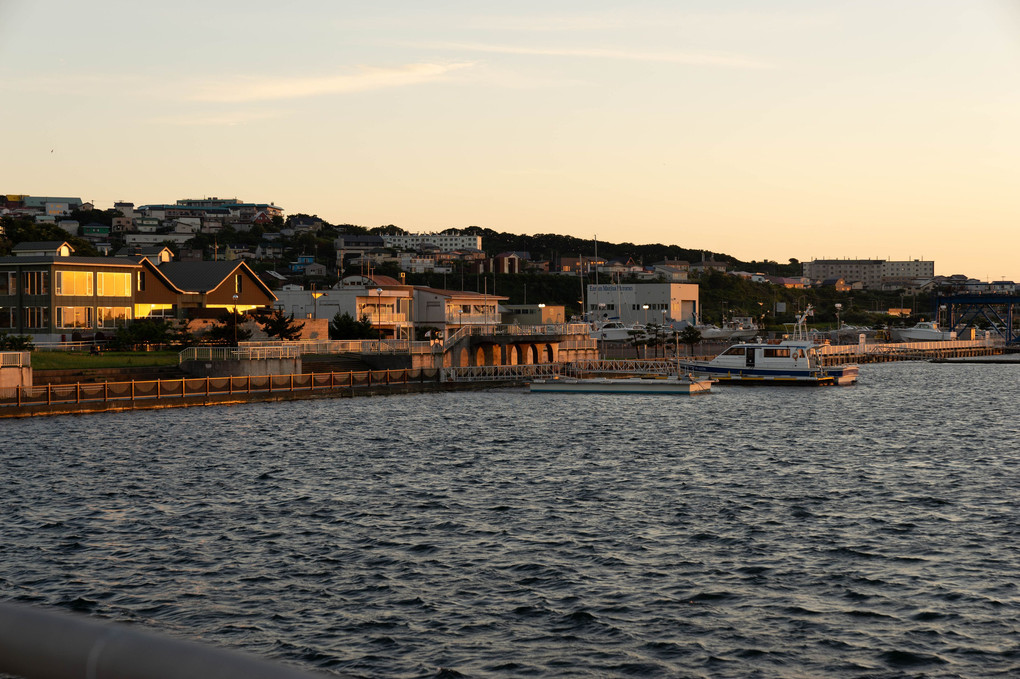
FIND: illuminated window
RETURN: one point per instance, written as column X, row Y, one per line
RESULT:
column 155, row 311
column 237, row 283
column 74, row 283
column 113, row 284
column 777, row 353
column 73, row 317
column 112, row 316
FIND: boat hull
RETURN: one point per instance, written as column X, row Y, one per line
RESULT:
column 628, row 385
column 835, row 376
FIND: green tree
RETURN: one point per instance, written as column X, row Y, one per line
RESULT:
column 145, row 331
column 690, row 336
column 345, row 327
column 278, row 324
column 15, row 342
column 229, row 330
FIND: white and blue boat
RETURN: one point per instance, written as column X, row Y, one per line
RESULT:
column 790, row 361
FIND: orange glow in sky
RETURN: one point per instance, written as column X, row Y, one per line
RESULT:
column 792, row 128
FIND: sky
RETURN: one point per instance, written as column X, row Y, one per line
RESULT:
column 783, row 129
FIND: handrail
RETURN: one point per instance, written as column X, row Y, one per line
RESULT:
column 238, row 353
column 44, row 644
column 16, row 359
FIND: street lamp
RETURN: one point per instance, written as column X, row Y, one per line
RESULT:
column 838, row 308
column 645, row 307
column 235, row 320
column 316, row 296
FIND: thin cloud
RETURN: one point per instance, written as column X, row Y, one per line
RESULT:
column 229, row 119
column 692, row 59
column 263, row 89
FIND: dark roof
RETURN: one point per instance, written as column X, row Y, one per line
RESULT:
column 459, row 293
column 41, row 245
column 70, row 261
column 141, row 250
column 198, row 276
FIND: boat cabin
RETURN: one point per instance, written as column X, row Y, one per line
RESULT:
column 784, row 355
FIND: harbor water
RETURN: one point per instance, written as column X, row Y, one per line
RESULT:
column 864, row 531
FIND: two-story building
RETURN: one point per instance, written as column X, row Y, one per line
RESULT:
column 47, row 292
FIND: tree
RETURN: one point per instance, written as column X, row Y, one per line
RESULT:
column 344, row 327
column 145, row 331
column 690, row 336
column 279, row 324
column 229, row 331
column 16, row 342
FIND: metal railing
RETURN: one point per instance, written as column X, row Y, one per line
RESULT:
column 658, row 366
column 246, row 353
column 380, row 346
column 905, row 347
column 45, row 644
column 493, row 373
column 15, row 359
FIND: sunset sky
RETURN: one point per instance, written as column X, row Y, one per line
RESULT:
column 778, row 129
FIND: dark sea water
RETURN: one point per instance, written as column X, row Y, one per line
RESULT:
column 866, row 531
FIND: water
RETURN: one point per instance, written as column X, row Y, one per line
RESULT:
column 867, row 531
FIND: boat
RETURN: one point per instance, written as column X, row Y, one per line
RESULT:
column 791, row 361
column 924, row 331
column 616, row 331
column 671, row 384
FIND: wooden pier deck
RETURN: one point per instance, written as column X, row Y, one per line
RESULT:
column 835, row 354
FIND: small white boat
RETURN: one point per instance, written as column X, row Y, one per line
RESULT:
column 624, row 385
column 925, row 331
column 616, row 331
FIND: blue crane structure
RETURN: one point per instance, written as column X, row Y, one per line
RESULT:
column 964, row 310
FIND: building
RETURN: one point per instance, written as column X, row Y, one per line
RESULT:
column 533, row 314
column 643, row 302
column 47, row 292
column 872, row 273
column 384, row 301
column 447, row 240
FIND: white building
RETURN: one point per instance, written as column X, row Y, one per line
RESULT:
column 871, row 272
column 443, row 241
column 643, row 302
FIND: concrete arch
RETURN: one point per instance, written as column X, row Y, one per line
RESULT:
column 548, row 354
column 530, row 354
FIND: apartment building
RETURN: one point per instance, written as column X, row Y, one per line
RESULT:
column 872, row 273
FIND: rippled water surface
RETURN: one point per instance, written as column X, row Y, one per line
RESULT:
column 868, row 531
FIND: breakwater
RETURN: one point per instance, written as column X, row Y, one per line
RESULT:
column 96, row 397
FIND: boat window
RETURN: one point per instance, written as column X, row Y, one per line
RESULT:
column 777, row 353
column 800, row 353
column 733, row 351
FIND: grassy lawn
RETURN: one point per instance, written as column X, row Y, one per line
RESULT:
column 66, row 360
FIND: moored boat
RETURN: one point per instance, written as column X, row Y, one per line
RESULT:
column 924, row 331
column 671, row 384
column 793, row 361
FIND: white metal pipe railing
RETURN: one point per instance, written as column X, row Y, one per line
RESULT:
column 238, row 353
column 15, row 359
column 40, row 644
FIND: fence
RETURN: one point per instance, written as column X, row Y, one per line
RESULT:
column 381, row 346
column 15, row 359
column 183, row 387
column 497, row 373
column 247, row 353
